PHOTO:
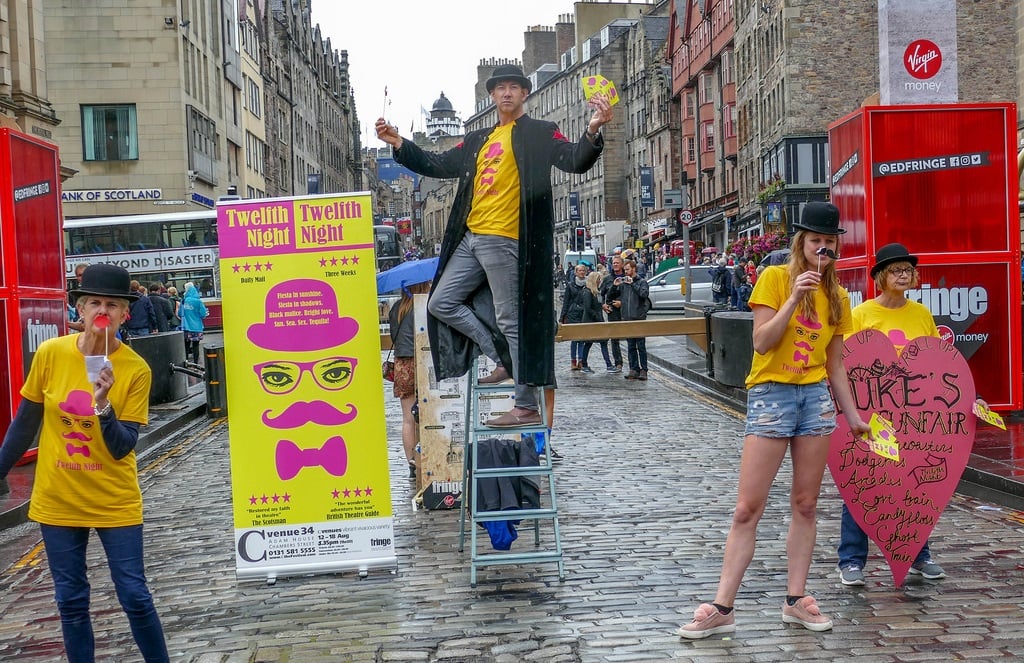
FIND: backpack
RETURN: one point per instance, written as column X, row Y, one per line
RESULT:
column 718, row 281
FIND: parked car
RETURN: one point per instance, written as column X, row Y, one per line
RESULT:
column 665, row 291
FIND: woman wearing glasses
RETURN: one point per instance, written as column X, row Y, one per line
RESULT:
column 902, row 320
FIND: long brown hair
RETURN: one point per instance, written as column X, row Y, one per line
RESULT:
column 797, row 265
column 405, row 305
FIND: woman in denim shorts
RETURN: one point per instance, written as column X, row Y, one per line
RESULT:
column 801, row 314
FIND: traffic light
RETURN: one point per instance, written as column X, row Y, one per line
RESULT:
column 581, row 239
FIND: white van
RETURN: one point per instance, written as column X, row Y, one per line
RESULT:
column 574, row 257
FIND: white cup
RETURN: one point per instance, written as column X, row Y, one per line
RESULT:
column 94, row 364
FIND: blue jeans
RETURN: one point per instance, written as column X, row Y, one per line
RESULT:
column 476, row 259
column 636, row 352
column 576, row 351
column 604, row 351
column 65, row 552
column 853, row 544
column 780, row 410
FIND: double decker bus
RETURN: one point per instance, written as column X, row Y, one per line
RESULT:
column 172, row 248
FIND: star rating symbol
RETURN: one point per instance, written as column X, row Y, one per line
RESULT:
column 264, row 499
column 323, row 262
column 358, row 492
column 344, row 260
column 367, row 491
column 346, row 493
column 286, row 497
column 334, row 261
column 235, row 268
column 276, row 498
column 335, row 493
column 247, row 267
column 259, row 267
column 267, row 266
column 252, row 499
column 355, row 260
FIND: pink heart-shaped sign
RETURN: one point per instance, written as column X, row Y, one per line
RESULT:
column 927, row 393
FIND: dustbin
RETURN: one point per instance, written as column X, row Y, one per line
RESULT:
column 216, row 389
column 732, row 334
column 161, row 351
column 709, row 356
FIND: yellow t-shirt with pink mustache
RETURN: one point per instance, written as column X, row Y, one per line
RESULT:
column 77, row 482
column 902, row 325
column 799, row 357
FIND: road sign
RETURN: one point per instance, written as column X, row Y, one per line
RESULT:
column 673, row 198
column 685, row 217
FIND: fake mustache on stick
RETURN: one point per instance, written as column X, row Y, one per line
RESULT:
column 825, row 251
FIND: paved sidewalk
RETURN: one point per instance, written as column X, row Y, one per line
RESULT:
column 646, row 490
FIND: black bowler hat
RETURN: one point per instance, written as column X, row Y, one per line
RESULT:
column 820, row 217
column 106, row 280
column 508, row 72
column 889, row 254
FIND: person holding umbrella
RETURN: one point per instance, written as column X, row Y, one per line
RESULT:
column 412, row 278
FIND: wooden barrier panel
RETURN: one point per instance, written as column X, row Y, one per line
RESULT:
column 695, row 328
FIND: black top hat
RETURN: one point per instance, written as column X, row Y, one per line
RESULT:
column 889, row 254
column 820, row 217
column 106, row 280
column 508, row 72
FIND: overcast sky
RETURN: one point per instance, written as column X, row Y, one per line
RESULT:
column 420, row 49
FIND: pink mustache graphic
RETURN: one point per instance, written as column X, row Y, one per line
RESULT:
column 801, row 357
column 316, row 412
column 75, row 435
column 805, row 345
column 333, row 457
column 72, row 450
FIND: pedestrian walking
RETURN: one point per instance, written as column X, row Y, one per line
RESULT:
column 720, row 280
column 192, row 311
column 630, row 296
column 613, row 313
column 593, row 312
column 504, row 191
column 141, row 315
column 86, row 475
column 800, row 317
column 403, row 340
column 574, row 302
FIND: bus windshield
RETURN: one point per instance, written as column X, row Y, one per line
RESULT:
column 387, row 247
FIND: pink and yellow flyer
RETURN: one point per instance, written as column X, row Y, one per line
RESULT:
column 309, row 467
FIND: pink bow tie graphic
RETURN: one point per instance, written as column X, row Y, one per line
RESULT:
column 333, row 457
column 72, row 450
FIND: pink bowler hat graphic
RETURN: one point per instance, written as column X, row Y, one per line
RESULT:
column 302, row 315
column 79, row 404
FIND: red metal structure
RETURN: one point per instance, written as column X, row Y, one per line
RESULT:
column 943, row 181
column 33, row 301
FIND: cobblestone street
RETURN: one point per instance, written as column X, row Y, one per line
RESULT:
column 646, row 492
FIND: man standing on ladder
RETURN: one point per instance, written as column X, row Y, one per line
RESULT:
column 501, row 221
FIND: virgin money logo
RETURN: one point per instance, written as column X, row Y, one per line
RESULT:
column 946, row 334
column 923, row 59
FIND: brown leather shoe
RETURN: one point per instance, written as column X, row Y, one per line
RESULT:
column 642, row 375
column 515, row 418
column 497, row 376
column 632, row 375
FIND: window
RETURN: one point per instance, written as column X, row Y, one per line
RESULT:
column 727, row 67
column 110, row 133
column 691, row 149
column 688, row 111
column 709, row 136
column 202, row 154
column 730, row 121
column 253, row 89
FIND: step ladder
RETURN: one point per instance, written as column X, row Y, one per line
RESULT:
column 472, row 473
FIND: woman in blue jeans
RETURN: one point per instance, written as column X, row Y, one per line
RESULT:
column 86, row 395
column 902, row 320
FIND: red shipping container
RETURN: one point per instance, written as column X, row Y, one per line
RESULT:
column 941, row 180
column 33, row 301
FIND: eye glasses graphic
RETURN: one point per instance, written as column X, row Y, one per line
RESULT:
column 282, row 377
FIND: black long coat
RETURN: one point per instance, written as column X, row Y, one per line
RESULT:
column 538, row 145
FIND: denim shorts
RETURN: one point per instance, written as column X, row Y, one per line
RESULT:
column 779, row 410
